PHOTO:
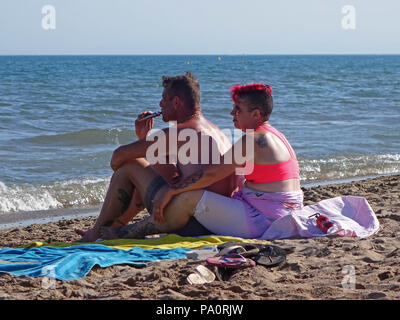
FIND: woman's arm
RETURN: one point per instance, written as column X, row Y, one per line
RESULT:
column 208, row 175
column 203, row 177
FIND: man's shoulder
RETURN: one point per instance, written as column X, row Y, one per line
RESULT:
column 201, row 126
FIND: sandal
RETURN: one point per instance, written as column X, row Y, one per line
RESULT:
column 270, row 256
column 231, row 261
column 202, row 275
column 244, row 249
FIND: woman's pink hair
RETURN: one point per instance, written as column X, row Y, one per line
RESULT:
column 238, row 89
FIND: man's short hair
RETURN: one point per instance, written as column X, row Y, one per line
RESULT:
column 186, row 87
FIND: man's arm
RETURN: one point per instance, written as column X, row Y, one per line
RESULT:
column 128, row 152
column 210, row 174
column 138, row 149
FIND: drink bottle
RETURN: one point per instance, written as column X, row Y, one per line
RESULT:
column 325, row 224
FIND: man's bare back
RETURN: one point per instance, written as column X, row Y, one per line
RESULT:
column 217, row 142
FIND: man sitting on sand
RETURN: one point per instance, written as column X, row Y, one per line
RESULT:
column 135, row 179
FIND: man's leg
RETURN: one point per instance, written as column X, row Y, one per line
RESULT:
column 135, row 206
column 223, row 215
column 169, row 172
column 135, row 175
column 176, row 214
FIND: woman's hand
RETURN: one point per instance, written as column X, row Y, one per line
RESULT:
column 160, row 201
column 142, row 127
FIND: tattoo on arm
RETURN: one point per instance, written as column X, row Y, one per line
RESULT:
column 193, row 178
column 261, row 141
column 125, row 198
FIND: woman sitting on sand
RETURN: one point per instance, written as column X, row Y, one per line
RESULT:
column 271, row 190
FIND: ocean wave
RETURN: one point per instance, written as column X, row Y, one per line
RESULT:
column 86, row 137
column 74, row 193
column 344, row 167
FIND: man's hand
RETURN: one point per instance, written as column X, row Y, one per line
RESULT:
column 142, row 127
column 160, row 201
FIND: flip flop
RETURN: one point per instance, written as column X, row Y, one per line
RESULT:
column 246, row 250
column 270, row 256
column 202, row 275
column 231, row 261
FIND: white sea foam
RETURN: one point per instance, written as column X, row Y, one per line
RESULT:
column 25, row 198
column 60, row 194
column 348, row 166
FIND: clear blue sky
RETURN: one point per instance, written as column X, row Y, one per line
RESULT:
column 199, row 27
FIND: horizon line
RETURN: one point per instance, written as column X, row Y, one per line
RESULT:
column 198, row 54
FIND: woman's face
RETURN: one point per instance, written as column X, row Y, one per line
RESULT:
column 242, row 118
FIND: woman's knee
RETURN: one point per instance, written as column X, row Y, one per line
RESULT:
column 189, row 199
column 181, row 208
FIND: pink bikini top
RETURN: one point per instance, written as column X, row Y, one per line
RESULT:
column 264, row 173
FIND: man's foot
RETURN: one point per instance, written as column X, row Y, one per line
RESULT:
column 136, row 230
column 109, row 233
column 81, row 232
column 88, row 235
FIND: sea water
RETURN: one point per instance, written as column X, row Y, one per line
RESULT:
column 61, row 117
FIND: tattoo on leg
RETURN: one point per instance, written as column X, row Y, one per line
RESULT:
column 261, row 141
column 125, row 198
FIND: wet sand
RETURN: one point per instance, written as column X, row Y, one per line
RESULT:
column 315, row 269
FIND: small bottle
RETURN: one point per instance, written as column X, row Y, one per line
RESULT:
column 325, row 224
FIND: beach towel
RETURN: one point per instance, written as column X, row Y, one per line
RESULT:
column 352, row 216
column 71, row 261
column 74, row 262
column 170, row 241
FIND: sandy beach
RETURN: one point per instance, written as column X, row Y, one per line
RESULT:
column 314, row 269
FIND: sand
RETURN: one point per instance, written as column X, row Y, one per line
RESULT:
column 315, row 270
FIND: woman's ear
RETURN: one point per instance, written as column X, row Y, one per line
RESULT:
column 256, row 114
